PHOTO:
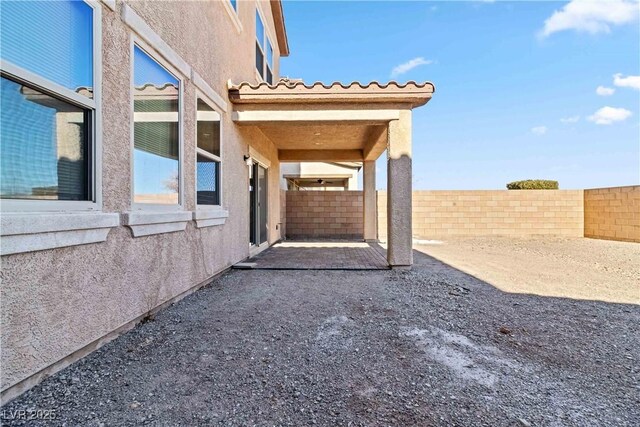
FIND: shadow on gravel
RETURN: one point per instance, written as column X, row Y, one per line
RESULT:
column 429, row 347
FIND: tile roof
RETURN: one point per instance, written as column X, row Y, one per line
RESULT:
column 296, row 91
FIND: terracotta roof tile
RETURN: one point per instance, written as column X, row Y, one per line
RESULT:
column 292, row 84
column 287, row 90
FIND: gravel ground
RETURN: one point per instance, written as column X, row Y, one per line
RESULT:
column 579, row 268
column 432, row 346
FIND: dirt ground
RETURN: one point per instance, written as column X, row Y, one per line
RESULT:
column 428, row 347
column 579, row 268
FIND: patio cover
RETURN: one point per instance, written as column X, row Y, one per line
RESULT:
column 344, row 123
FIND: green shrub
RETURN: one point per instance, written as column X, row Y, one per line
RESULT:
column 533, row 184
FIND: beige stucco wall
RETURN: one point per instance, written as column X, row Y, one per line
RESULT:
column 442, row 214
column 612, row 213
column 324, row 214
column 55, row 302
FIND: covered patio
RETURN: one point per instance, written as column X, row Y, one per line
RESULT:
column 344, row 123
column 320, row 255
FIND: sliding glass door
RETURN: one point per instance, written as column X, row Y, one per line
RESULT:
column 258, row 205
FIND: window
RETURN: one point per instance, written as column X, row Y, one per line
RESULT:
column 48, row 114
column 231, row 7
column 264, row 52
column 45, row 145
column 156, row 139
column 208, row 155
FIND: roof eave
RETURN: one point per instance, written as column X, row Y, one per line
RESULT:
column 281, row 30
column 411, row 93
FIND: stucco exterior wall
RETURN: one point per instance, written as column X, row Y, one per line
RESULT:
column 324, row 214
column 55, row 302
column 612, row 213
column 442, row 214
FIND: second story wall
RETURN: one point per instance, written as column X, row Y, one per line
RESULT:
column 217, row 40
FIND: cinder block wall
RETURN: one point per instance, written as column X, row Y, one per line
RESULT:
column 612, row 213
column 442, row 214
column 283, row 213
column 324, row 214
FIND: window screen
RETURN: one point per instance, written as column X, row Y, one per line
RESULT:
column 208, row 155
column 207, row 175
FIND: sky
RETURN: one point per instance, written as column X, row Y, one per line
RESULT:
column 524, row 90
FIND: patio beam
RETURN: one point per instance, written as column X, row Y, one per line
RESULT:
column 320, row 155
column 376, row 143
column 314, row 116
column 399, row 175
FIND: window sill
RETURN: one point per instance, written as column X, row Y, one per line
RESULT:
column 148, row 223
column 30, row 232
column 210, row 216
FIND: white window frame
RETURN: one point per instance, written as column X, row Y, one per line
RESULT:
column 157, row 57
column 233, row 14
column 266, row 42
column 205, row 153
column 95, row 142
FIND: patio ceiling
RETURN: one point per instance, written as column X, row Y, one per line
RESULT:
column 325, row 122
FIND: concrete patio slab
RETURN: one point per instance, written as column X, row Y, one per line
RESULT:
column 322, row 255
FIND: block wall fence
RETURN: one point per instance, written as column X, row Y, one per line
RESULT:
column 327, row 214
column 607, row 213
column 612, row 213
column 283, row 212
column 518, row 213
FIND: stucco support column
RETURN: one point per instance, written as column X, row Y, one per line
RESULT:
column 399, row 176
column 369, row 199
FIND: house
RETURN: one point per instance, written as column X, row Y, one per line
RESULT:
column 320, row 176
column 141, row 146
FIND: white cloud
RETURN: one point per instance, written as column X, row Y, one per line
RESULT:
column 629, row 81
column 572, row 119
column 605, row 91
column 608, row 115
column 591, row 16
column 409, row 65
column 539, row 130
